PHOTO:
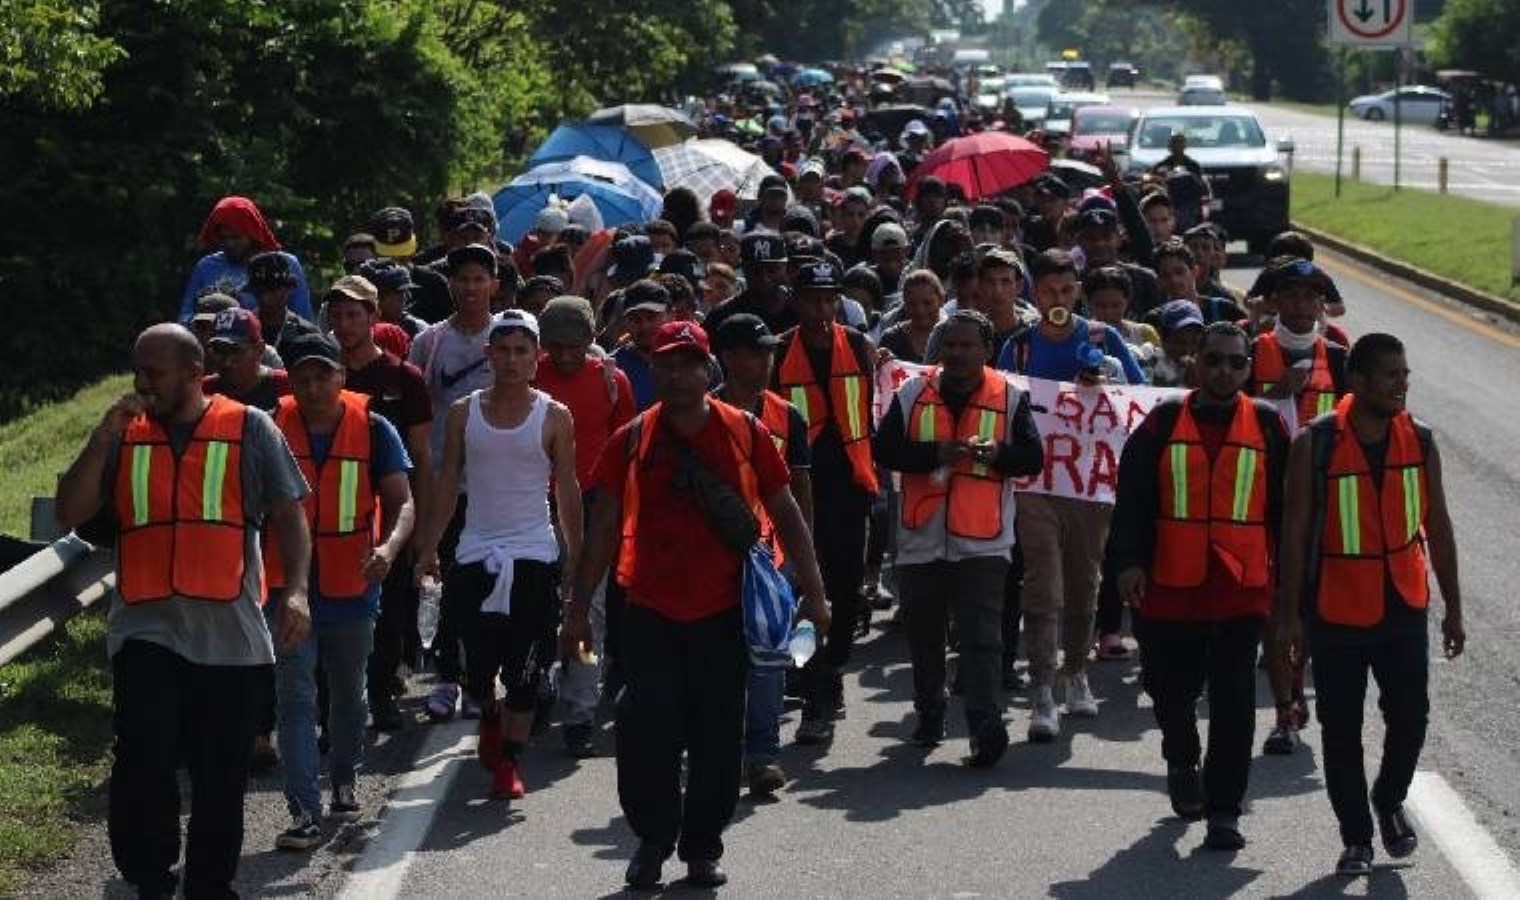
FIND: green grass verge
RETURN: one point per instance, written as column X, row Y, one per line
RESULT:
column 55, row 730
column 36, row 448
column 1465, row 240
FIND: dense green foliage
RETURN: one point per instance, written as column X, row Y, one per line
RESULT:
column 1480, row 35
column 126, row 120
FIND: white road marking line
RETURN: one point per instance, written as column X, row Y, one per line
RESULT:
column 1471, row 850
column 379, row 873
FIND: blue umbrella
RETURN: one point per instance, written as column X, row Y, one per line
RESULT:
column 620, row 197
column 812, row 78
column 606, row 142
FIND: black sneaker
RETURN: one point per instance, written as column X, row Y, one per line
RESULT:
column 303, row 834
column 345, row 804
column 644, row 869
column 1399, row 838
column 1184, row 785
column 1224, row 834
column 765, row 779
column 814, row 730
column 988, row 744
column 579, row 740
column 1283, row 741
column 931, row 728
column 1355, row 861
column 385, row 715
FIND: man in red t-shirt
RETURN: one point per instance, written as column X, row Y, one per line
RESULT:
column 600, row 399
column 682, row 637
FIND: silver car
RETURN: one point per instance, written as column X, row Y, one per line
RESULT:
column 1418, row 105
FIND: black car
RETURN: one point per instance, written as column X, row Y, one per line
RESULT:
column 1123, row 74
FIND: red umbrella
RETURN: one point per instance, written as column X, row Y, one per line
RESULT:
column 983, row 164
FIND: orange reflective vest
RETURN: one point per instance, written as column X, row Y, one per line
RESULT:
column 775, row 414
column 974, row 491
column 340, row 510
column 1372, row 532
column 181, row 516
column 1213, row 509
column 849, row 398
column 741, row 431
column 1270, row 367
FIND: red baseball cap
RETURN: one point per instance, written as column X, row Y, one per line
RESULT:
column 723, row 202
column 677, row 336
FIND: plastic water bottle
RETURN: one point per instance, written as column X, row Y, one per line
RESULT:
column 803, row 643
column 429, row 596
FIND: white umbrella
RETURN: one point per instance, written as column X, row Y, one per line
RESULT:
column 710, row 165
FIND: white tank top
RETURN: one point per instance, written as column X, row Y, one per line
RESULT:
column 509, row 493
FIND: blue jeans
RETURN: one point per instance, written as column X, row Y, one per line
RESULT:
column 344, row 649
column 762, row 714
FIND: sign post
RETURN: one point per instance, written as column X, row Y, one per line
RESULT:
column 1375, row 24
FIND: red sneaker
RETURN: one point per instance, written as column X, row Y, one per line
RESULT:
column 507, row 783
column 488, row 745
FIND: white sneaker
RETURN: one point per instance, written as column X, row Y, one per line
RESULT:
column 303, row 834
column 1079, row 697
column 1044, row 724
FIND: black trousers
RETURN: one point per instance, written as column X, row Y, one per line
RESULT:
column 516, row 648
column 169, row 711
column 1176, row 660
column 839, row 538
column 683, row 690
column 1401, row 665
column 395, row 630
column 1110, row 618
column 974, row 589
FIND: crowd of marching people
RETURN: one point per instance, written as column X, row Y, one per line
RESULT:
column 645, row 467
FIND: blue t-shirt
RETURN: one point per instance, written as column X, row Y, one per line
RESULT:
column 387, row 455
column 215, row 271
column 1057, row 361
column 640, row 375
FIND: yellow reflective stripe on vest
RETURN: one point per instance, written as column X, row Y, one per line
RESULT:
column 852, row 415
column 926, row 419
column 348, row 494
column 1412, row 510
column 142, row 456
column 1350, row 515
column 799, row 396
column 1178, row 454
column 1245, row 477
column 1325, row 404
column 211, row 482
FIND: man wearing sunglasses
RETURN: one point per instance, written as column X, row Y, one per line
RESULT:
column 1193, row 539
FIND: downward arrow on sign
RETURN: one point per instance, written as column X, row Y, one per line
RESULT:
column 1363, row 11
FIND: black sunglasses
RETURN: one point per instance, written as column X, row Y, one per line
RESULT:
column 1237, row 361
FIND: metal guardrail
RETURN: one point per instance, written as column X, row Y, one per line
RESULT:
column 48, row 587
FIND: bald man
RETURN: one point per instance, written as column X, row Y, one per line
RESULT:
column 186, row 479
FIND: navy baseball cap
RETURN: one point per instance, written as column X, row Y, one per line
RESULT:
column 762, row 247
column 310, row 347
column 236, row 326
column 743, row 331
column 386, row 275
column 1179, row 314
column 821, row 275
column 269, row 270
column 632, row 257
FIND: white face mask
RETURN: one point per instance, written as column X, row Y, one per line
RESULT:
column 1291, row 340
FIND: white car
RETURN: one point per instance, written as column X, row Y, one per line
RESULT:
column 1418, row 105
column 1065, row 104
column 1033, row 103
column 1029, row 79
column 1203, row 81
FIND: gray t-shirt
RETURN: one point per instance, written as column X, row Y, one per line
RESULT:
column 453, row 363
column 208, row 633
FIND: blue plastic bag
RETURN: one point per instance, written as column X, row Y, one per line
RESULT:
column 769, row 607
